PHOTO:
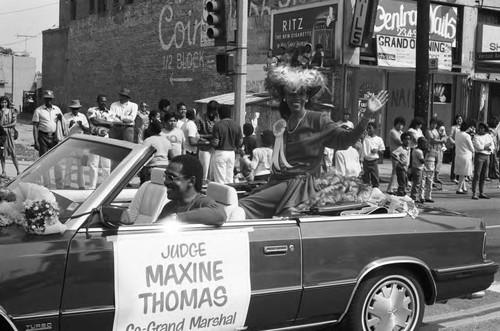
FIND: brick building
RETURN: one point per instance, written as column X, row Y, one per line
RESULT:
column 160, row 49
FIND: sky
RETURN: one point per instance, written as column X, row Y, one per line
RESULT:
column 27, row 17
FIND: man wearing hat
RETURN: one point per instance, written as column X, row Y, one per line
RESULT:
column 45, row 121
column 125, row 111
column 77, row 123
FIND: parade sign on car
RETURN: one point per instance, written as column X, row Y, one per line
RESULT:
column 182, row 281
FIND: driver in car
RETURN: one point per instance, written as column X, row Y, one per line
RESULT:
column 183, row 179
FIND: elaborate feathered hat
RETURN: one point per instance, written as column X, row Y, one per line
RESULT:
column 294, row 79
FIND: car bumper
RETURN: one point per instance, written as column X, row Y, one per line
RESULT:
column 464, row 280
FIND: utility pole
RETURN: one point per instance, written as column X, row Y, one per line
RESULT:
column 241, row 62
column 422, row 61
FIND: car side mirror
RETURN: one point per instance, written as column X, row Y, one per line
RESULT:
column 111, row 216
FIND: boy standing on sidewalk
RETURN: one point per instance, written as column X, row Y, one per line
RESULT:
column 417, row 168
column 402, row 156
column 431, row 157
column 373, row 145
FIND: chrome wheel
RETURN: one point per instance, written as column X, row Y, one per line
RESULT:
column 393, row 304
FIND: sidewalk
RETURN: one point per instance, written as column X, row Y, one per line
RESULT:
column 11, row 170
column 448, row 186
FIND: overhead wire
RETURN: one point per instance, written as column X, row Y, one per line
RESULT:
column 24, row 10
column 27, row 9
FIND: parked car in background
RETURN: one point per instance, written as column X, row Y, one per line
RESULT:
column 365, row 271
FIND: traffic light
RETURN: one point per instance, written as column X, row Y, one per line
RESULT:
column 224, row 63
column 216, row 20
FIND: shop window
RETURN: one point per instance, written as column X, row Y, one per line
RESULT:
column 91, row 7
column 441, row 93
column 101, row 6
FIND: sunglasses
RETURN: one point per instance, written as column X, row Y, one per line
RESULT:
column 172, row 178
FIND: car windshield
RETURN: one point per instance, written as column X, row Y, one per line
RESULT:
column 72, row 171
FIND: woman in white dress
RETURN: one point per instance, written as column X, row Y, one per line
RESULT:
column 454, row 129
column 464, row 149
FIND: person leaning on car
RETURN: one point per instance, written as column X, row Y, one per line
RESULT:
column 183, row 179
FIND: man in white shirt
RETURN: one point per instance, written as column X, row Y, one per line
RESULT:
column 125, row 111
column 373, row 146
column 45, row 120
column 77, row 123
column 102, row 120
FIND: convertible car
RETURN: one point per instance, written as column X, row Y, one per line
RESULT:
column 361, row 270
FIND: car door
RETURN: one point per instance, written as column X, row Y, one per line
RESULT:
column 88, row 296
column 276, row 272
column 88, row 300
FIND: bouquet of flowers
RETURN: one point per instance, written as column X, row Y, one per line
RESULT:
column 32, row 206
column 40, row 216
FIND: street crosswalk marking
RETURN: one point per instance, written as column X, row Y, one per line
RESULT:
column 492, row 227
column 463, row 317
column 495, row 287
column 461, row 322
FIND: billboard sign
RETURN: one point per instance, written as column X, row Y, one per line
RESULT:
column 298, row 26
column 488, row 47
column 396, row 32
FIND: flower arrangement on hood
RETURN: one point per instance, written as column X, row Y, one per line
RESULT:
column 32, row 206
column 336, row 189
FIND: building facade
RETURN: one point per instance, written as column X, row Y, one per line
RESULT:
column 160, row 50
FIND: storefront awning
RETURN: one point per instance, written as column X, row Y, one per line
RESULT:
column 228, row 99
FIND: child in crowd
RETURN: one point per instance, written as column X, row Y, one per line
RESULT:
column 402, row 156
column 428, row 174
column 249, row 139
column 347, row 162
column 262, row 157
column 373, row 146
column 417, row 168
